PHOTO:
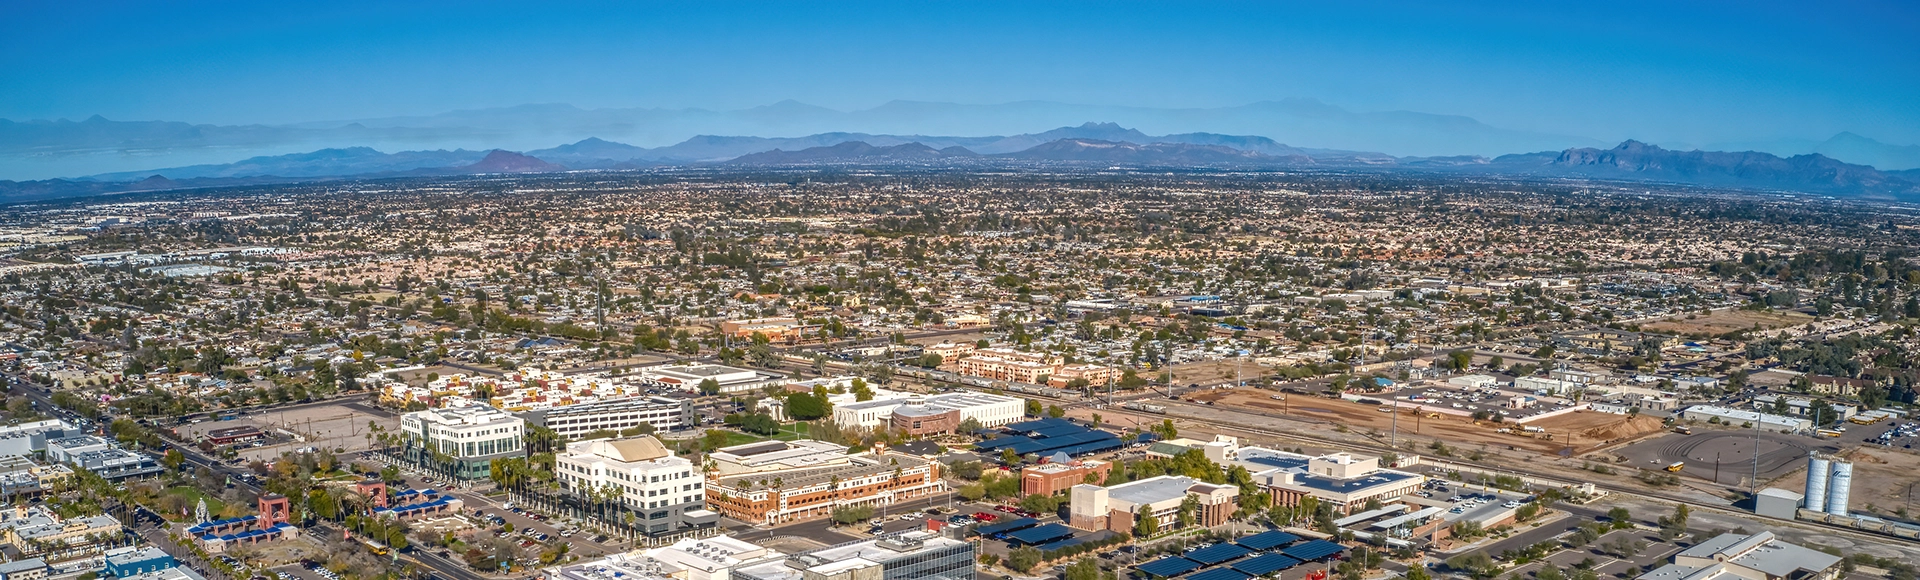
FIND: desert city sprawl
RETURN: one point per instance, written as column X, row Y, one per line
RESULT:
column 899, row 373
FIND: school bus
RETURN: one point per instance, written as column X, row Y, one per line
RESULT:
column 378, row 548
column 1677, row 466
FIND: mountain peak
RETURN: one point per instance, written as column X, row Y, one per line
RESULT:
column 503, row 161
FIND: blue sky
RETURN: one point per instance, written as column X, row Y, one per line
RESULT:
column 1696, row 72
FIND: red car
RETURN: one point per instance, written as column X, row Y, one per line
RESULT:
column 985, row 517
column 1003, row 508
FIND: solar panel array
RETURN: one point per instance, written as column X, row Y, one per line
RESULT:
column 1049, row 436
column 1267, row 540
column 1217, row 553
column 1219, row 574
column 1041, row 535
column 1168, row 567
column 1006, row 526
column 1266, row 564
column 1314, row 550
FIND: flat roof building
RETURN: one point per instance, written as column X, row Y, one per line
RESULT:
column 665, row 493
column 1119, row 508
column 572, row 421
column 776, row 455
column 1343, row 480
column 689, row 377
column 469, row 438
column 916, row 555
column 1748, row 557
column 794, row 494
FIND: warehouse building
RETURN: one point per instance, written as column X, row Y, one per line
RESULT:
column 572, row 421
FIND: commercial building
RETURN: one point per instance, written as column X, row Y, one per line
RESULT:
column 37, row 529
column 572, row 421
column 916, row 555
column 102, row 457
column 765, row 456
column 1763, row 421
column 1748, row 557
column 26, row 438
column 987, row 409
column 712, row 558
column 1055, row 477
column 232, row 435
column 689, row 377
column 130, row 561
column 1006, row 364
column 1120, row 507
column 462, row 442
column 1342, row 480
column 273, row 522
column 792, row 494
column 19, row 474
column 25, row 569
column 665, row 493
column 776, row 329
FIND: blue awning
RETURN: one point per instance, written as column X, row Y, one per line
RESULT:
column 1041, row 535
column 1219, row 574
column 1217, row 553
column 1314, row 550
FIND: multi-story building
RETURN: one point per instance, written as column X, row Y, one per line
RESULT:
column 916, row 555
column 876, row 478
column 1052, row 478
column 1005, row 364
column 102, row 457
column 712, row 558
column 1342, row 480
column 987, row 409
column 462, row 442
column 129, row 561
column 1120, row 507
column 1095, row 375
column 572, row 421
column 776, row 329
column 768, row 456
column 666, row 493
column 689, row 377
column 923, row 419
column 952, row 351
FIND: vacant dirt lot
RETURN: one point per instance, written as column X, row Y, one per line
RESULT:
column 1725, row 321
column 1583, row 431
column 1215, row 372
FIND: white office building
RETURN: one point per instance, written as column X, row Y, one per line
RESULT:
column 572, row 421
column 666, row 493
column 689, row 377
column 462, row 442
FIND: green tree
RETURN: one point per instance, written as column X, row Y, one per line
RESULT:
column 850, row 514
column 1085, row 569
column 1034, row 408
column 1144, row 524
column 709, row 387
column 1023, row 559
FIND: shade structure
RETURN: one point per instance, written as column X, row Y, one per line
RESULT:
column 1265, row 564
column 1267, row 540
column 1314, row 550
column 1168, row 567
column 1219, row 574
column 1216, row 553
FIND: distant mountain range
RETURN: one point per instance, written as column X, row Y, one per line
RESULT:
column 42, row 149
column 1087, row 144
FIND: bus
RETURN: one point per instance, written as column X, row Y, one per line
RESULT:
column 378, row 548
column 1677, row 466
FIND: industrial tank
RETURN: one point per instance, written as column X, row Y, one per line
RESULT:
column 1838, row 486
column 1817, row 472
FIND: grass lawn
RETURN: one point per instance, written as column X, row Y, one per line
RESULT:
column 193, row 496
column 792, row 431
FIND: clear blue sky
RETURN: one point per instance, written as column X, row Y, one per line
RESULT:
column 1689, row 71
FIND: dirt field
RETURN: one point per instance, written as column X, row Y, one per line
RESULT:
column 1583, row 431
column 1216, row 372
column 324, row 426
column 1725, row 321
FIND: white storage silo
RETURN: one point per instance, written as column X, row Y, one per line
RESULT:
column 1838, row 486
column 1817, row 471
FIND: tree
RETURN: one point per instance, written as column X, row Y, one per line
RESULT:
column 1620, row 517
column 1023, row 559
column 1085, row 569
column 173, row 459
column 1040, row 503
column 709, row 387
column 1145, row 524
column 1034, row 408
column 970, row 426
column 861, row 392
column 1166, row 430
column 1056, row 412
column 850, row 514
column 1007, row 456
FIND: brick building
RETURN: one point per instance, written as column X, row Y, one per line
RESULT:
column 789, row 495
column 1119, row 507
column 1052, row 478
